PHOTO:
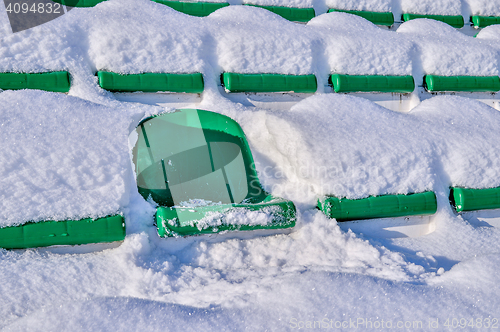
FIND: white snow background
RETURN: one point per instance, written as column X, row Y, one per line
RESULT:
column 66, row 156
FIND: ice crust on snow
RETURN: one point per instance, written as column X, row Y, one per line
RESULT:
column 441, row 48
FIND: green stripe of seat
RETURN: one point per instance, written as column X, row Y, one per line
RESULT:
column 194, row 8
column 52, row 81
column 379, row 206
column 456, row 21
column 234, row 82
column 484, row 21
column 379, row 18
column 167, row 220
column 151, row 82
column 475, row 199
column 290, row 13
column 68, row 232
column 462, row 83
column 79, row 3
column 372, row 83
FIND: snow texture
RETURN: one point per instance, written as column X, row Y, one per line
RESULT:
column 368, row 5
column 67, row 157
column 442, row 50
column 432, row 7
column 483, row 7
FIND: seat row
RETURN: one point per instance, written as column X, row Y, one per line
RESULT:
column 236, row 82
column 305, row 14
column 198, row 168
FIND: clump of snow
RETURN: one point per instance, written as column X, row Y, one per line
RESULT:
column 483, row 7
column 367, row 5
column 442, row 50
column 275, row 45
column 432, row 7
column 61, row 158
column 353, row 45
column 238, row 217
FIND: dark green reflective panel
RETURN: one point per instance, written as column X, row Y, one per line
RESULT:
column 182, row 156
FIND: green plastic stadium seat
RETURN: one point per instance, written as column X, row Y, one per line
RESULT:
column 234, row 82
column 151, row 82
column 462, row 83
column 464, row 199
column 484, row 21
column 372, row 83
column 194, row 8
column 51, row 81
column 68, row 232
column 290, row 13
column 378, row 18
column 197, row 166
column 456, row 21
column 385, row 206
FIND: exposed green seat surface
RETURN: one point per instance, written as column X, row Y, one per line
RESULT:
column 456, row 21
column 186, row 221
column 462, row 83
column 372, row 83
column 57, row 81
column 194, row 8
column 151, row 82
column 79, row 3
column 289, row 13
column 475, row 199
column 234, row 82
column 68, row 232
column 379, row 206
column 484, row 21
column 197, row 166
column 386, row 18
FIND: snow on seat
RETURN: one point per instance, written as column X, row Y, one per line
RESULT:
column 194, row 8
column 290, row 13
column 483, row 13
column 372, row 83
column 50, row 81
column 462, row 83
column 456, row 21
column 275, row 55
column 198, row 167
column 67, row 232
column 79, row 3
column 385, row 206
column 234, row 82
column 447, row 11
column 468, row 199
column 378, row 18
column 151, row 82
column 65, row 179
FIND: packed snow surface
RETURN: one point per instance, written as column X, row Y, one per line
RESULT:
column 66, row 156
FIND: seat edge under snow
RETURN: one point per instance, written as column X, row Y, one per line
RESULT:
column 56, row 81
column 385, row 206
column 79, row 3
column 378, row 18
column 151, row 82
column 467, row 199
column 283, row 214
column 436, row 83
column 199, row 9
column 372, row 83
column 67, row 232
column 234, row 82
column 290, row 13
column 456, row 21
